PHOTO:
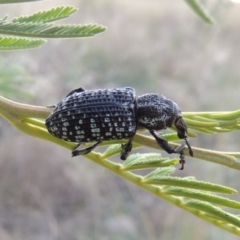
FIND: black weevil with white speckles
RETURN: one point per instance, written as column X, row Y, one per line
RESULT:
column 106, row 114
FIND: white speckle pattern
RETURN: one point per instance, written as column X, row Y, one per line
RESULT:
column 93, row 115
column 66, row 124
column 106, row 120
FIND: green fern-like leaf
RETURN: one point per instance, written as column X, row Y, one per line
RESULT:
column 213, row 122
column 39, row 26
column 216, row 214
column 144, row 161
column 44, row 30
column 200, row 11
column 51, row 15
column 157, row 179
column 200, row 195
column 12, row 43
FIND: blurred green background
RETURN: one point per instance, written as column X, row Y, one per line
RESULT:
column 154, row 46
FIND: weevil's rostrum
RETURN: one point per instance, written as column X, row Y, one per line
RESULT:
column 106, row 114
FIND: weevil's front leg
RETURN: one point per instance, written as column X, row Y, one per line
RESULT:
column 84, row 151
column 182, row 160
column 163, row 142
column 126, row 149
column 168, row 148
column 182, row 156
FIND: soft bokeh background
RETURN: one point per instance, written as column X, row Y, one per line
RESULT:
column 154, row 46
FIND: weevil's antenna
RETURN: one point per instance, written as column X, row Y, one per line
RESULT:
column 189, row 147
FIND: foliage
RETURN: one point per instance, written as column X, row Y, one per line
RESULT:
column 187, row 193
column 12, row 79
column 200, row 11
column 39, row 26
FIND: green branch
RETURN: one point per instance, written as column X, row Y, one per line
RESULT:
column 186, row 193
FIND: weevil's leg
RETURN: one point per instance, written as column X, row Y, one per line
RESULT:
column 179, row 149
column 84, row 151
column 163, row 142
column 126, row 149
column 78, row 90
column 169, row 149
column 182, row 161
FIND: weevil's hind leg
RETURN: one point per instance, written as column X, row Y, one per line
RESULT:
column 169, row 149
column 78, row 90
column 126, row 149
column 84, row 151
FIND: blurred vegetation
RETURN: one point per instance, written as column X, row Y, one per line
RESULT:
column 145, row 42
column 15, row 81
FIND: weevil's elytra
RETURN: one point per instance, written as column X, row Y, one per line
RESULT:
column 106, row 114
column 97, row 115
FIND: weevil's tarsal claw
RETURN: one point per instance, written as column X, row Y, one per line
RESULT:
column 189, row 147
column 182, row 161
column 182, row 167
column 180, row 150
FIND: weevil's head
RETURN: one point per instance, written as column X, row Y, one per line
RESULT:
column 181, row 127
column 179, row 123
column 182, row 131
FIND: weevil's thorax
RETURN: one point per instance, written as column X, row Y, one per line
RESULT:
column 155, row 112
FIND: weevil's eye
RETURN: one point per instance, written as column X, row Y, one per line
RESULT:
column 181, row 127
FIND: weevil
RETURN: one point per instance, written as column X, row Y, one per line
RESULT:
column 106, row 114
